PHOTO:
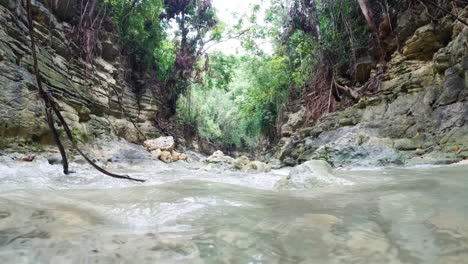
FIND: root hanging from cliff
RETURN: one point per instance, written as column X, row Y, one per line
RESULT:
column 85, row 33
column 319, row 98
column 51, row 109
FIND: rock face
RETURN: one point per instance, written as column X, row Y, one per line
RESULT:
column 313, row 173
column 295, row 120
column 420, row 114
column 91, row 101
column 348, row 148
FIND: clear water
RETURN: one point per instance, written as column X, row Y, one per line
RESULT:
column 191, row 214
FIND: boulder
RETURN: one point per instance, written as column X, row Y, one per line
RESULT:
column 241, row 162
column 161, row 143
column 313, row 173
column 166, row 156
column 219, row 157
column 176, row 156
column 373, row 151
column 156, row 153
column 257, row 166
column 348, row 147
column 170, row 157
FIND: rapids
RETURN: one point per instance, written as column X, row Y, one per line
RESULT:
column 190, row 213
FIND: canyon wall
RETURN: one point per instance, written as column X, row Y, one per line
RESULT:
column 418, row 115
column 95, row 98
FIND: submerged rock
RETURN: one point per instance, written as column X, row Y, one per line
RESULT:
column 313, row 173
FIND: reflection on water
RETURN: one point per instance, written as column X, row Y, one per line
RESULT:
column 185, row 214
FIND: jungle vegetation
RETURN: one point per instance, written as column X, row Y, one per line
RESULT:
column 236, row 100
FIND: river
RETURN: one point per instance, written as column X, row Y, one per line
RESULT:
column 190, row 213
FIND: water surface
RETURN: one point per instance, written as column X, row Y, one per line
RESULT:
column 193, row 214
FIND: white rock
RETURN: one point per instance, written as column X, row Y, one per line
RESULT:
column 156, row 153
column 219, row 157
column 257, row 166
column 161, row 143
column 313, row 173
column 241, row 162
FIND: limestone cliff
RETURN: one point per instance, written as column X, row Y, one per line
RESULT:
column 95, row 100
column 418, row 115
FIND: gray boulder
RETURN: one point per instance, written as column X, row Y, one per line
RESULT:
column 313, row 173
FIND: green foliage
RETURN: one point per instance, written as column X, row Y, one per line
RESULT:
column 265, row 94
column 220, row 72
column 235, row 100
column 166, row 37
column 238, row 101
column 343, row 30
column 142, row 32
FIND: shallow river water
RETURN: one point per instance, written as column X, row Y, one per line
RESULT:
column 191, row 214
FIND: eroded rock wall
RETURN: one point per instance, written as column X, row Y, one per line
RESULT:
column 419, row 115
column 95, row 100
